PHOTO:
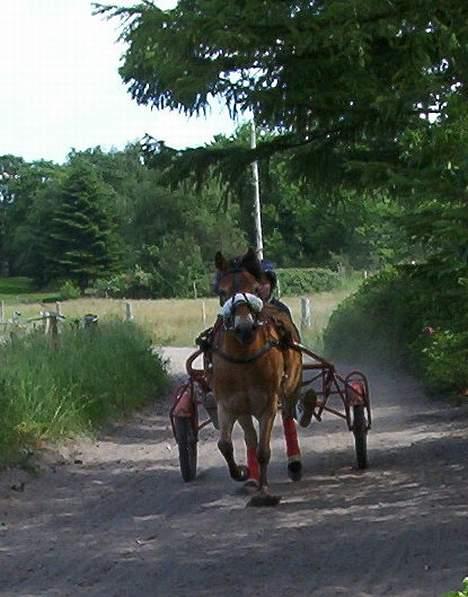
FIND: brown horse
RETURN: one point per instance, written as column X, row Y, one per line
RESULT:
column 253, row 369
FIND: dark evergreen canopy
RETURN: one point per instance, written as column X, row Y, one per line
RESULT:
column 342, row 77
column 80, row 238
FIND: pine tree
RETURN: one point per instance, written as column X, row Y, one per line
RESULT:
column 81, row 243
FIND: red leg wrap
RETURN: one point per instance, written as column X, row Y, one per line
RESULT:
column 252, row 463
column 290, row 435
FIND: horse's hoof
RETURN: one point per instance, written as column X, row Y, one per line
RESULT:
column 242, row 474
column 251, row 484
column 262, row 500
column 295, row 470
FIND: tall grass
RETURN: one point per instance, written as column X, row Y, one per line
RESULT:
column 50, row 393
column 177, row 322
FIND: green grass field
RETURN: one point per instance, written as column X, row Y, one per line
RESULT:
column 177, row 322
column 20, row 290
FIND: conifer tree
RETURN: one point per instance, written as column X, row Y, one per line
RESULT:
column 81, row 243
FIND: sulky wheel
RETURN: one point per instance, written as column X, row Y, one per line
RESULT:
column 357, row 401
column 360, row 435
column 187, row 444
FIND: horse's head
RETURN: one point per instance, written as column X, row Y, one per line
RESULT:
column 237, row 285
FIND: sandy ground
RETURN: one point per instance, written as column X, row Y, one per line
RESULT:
column 112, row 517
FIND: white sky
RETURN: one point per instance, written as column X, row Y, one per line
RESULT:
column 59, row 85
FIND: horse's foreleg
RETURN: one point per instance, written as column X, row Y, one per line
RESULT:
column 292, row 447
column 263, row 498
column 226, row 423
column 264, row 450
column 250, row 436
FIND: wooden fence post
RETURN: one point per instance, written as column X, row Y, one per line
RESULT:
column 53, row 319
column 58, row 308
column 203, row 308
column 129, row 312
column 195, row 293
column 2, row 311
column 305, row 313
column 46, row 320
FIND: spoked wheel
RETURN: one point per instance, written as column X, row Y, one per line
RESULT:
column 187, row 444
column 360, row 435
column 358, row 402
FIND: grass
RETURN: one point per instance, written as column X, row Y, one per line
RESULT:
column 48, row 394
column 19, row 285
column 21, row 290
column 177, row 322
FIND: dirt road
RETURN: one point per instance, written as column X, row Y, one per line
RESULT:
column 113, row 517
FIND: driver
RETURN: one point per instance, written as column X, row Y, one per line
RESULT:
column 268, row 286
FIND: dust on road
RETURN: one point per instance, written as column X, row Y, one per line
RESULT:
column 112, row 517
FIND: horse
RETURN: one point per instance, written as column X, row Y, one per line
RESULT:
column 254, row 368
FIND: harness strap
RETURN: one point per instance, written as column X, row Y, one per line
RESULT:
column 250, row 358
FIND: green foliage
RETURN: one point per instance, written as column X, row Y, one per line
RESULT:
column 51, row 394
column 80, row 241
column 371, row 99
column 295, row 281
column 140, row 284
column 26, row 196
column 136, row 284
column 340, row 86
column 462, row 593
column 409, row 317
column 367, row 323
column 68, row 290
column 444, row 360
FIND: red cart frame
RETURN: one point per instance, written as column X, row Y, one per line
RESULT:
column 325, row 385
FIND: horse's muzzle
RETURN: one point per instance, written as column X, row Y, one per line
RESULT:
column 244, row 331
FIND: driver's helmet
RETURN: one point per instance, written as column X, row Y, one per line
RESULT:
column 269, row 271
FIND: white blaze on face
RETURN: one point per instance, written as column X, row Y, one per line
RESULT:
column 256, row 304
column 245, row 319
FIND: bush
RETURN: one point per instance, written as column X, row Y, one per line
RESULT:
column 136, row 284
column 68, row 290
column 405, row 315
column 462, row 593
column 297, row 281
column 94, row 375
column 444, row 360
column 370, row 322
column 140, row 284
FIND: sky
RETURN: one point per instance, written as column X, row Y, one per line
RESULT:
column 60, row 87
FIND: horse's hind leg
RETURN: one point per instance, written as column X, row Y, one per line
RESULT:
column 226, row 423
column 250, row 436
column 292, row 447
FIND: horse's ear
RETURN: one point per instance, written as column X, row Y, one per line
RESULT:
column 251, row 263
column 251, row 255
column 220, row 262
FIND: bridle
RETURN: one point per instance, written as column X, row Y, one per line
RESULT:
column 228, row 306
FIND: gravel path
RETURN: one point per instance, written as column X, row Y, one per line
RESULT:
column 112, row 517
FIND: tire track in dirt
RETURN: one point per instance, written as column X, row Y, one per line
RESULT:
column 115, row 519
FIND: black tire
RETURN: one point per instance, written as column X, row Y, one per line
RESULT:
column 187, row 444
column 360, row 435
